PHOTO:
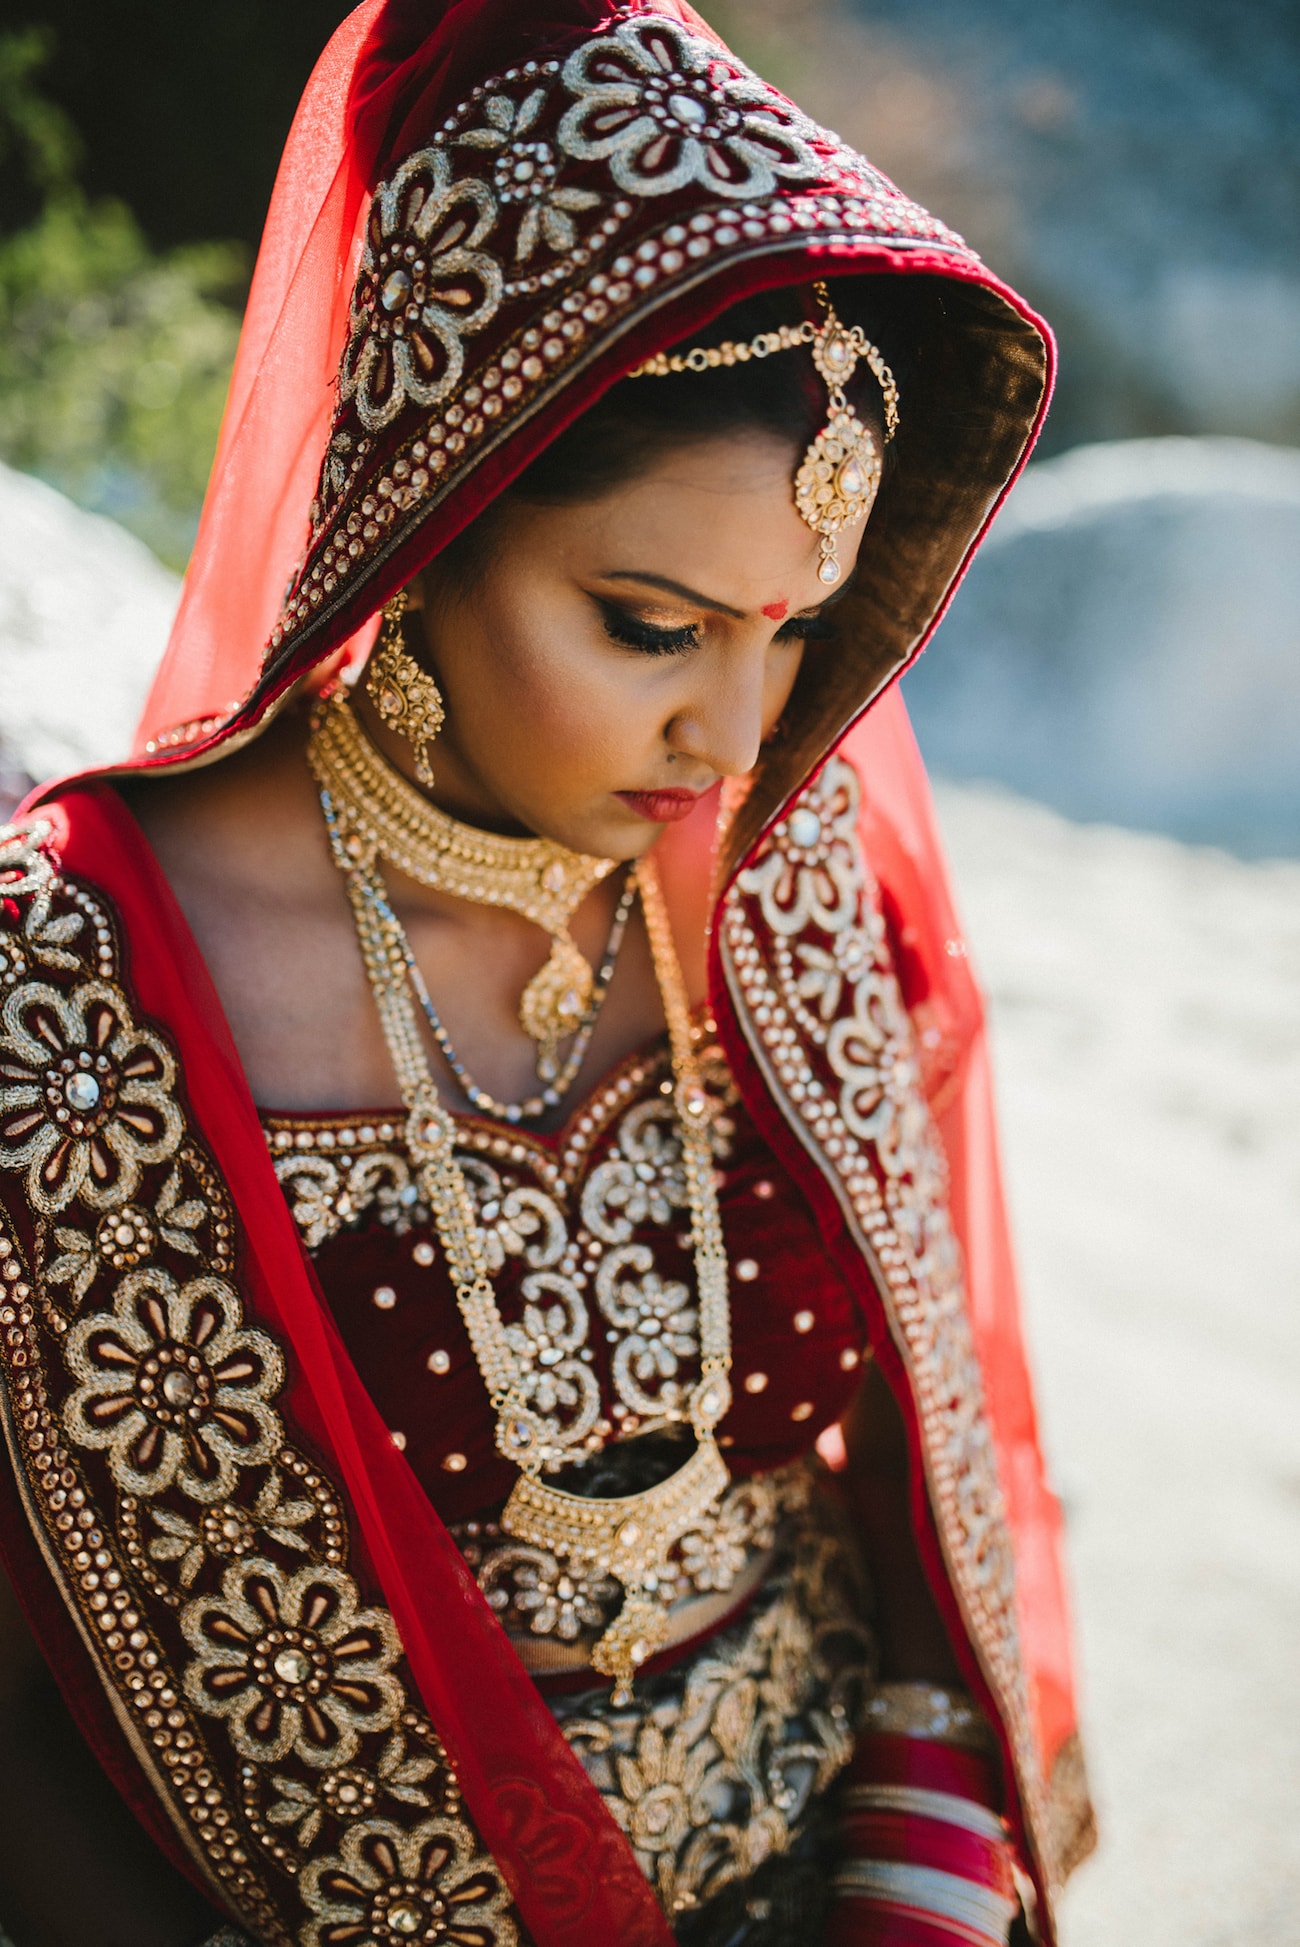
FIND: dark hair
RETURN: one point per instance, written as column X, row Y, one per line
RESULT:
column 638, row 420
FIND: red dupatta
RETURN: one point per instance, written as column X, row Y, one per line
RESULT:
column 417, row 103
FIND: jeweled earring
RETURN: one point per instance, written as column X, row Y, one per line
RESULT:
column 406, row 696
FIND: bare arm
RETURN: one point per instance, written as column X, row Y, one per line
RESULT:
column 75, row 1864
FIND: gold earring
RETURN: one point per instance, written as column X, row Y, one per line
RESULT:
column 408, row 700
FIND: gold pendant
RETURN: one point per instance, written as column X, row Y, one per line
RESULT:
column 628, row 1538
column 555, row 1000
column 837, row 482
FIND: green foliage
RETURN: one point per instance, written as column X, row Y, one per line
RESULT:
column 114, row 360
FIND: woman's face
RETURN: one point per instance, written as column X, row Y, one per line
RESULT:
column 615, row 659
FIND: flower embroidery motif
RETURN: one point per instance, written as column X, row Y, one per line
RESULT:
column 228, row 1529
column 326, row 1198
column 86, row 1096
column 172, row 1388
column 292, row 1663
column 548, row 1342
column 658, row 1322
column 348, row 1792
column 874, row 1056
column 715, row 1775
column 546, row 1598
column 127, row 1236
column 712, row 1557
column 525, row 173
column 424, row 1885
column 821, row 978
column 665, row 108
column 424, row 286
column 643, row 1180
column 27, row 874
column 522, row 1222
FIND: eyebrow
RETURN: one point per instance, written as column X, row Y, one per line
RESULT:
column 694, row 597
column 666, row 587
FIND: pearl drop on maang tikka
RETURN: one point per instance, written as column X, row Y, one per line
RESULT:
column 840, row 474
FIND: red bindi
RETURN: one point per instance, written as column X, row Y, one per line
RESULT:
column 776, row 611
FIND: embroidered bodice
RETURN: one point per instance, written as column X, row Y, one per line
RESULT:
column 587, row 1233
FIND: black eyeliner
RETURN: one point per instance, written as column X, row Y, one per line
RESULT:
column 633, row 633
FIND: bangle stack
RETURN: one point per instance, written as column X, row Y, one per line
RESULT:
column 926, row 1859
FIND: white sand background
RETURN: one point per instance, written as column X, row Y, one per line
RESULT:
column 1146, row 1011
column 1146, row 1008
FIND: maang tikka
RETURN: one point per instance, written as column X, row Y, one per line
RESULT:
column 840, row 474
column 406, row 696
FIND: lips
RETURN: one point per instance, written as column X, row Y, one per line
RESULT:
column 660, row 807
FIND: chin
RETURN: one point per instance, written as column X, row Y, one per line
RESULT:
column 609, row 841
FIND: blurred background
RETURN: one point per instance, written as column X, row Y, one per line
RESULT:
column 1111, row 710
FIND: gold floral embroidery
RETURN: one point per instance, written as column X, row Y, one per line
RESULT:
column 534, row 220
column 714, row 1766
column 570, row 1224
column 293, row 1663
column 229, row 1529
column 171, row 1388
column 663, row 109
column 801, row 925
column 424, row 285
column 525, row 172
column 86, row 1099
column 203, row 1559
column 424, row 1883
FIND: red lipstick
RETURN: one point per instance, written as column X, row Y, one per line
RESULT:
column 660, row 807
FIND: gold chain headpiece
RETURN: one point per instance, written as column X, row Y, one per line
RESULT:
column 840, row 474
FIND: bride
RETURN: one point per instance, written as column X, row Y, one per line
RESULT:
column 516, row 1427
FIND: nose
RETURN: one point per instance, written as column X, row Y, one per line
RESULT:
column 723, row 721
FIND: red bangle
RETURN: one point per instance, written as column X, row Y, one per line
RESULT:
column 926, row 1860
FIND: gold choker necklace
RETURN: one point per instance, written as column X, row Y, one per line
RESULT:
column 380, row 815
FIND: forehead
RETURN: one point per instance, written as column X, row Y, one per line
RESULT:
column 718, row 514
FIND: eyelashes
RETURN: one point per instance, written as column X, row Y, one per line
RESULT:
column 649, row 640
column 807, row 628
column 633, row 633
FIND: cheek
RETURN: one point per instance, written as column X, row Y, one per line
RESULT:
column 781, row 676
column 555, row 704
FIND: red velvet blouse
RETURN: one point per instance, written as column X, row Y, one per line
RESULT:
column 598, row 1209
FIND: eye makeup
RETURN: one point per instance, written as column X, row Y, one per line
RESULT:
column 635, row 633
column 653, row 639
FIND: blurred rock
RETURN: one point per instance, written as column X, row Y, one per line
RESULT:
column 1127, row 645
column 1148, row 152
column 84, row 615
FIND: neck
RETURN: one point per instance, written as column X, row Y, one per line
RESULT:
column 459, row 791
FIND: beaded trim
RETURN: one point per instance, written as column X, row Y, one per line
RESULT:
column 572, row 221
column 806, row 956
column 204, row 1561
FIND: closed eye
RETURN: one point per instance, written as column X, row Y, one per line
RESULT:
column 634, row 633
column 807, row 628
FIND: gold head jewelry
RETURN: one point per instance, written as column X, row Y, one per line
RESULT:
column 840, row 474
column 380, row 814
column 406, row 696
